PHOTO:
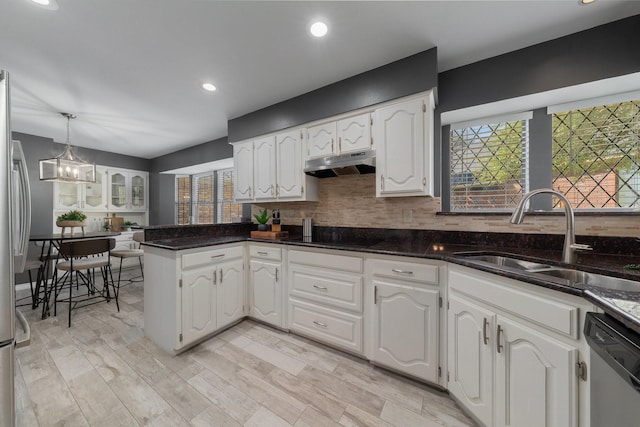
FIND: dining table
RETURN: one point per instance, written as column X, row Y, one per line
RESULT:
column 49, row 253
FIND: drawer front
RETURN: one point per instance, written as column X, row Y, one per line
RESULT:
column 340, row 290
column 330, row 326
column 209, row 256
column 265, row 252
column 335, row 262
column 498, row 292
column 414, row 272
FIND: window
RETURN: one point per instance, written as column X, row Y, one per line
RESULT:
column 488, row 159
column 596, row 162
column 206, row 198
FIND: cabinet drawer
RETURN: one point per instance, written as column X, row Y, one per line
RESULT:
column 341, row 290
column 414, row 272
column 331, row 326
column 335, row 262
column 208, row 256
column 265, row 252
column 508, row 296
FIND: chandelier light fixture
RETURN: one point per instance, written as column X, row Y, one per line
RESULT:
column 67, row 167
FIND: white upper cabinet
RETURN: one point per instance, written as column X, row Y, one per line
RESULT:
column 321, row 140
column 86, row 197
column 128, row 190
column 354, row 133
column 243, row 171
column 340, row 137
column 289, row 171
column 270, row 168
column 403, row 134
column 264, row 168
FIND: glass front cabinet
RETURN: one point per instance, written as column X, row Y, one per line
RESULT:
column 89, row 197
column 128, row 190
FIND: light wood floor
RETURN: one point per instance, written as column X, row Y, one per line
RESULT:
column 103, row 372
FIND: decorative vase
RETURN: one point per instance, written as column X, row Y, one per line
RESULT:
column 71, row 224
column 263, row 227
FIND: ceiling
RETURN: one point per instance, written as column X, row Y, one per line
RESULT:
column 132, row 70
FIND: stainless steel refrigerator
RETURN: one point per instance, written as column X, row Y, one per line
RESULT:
column 15, row 218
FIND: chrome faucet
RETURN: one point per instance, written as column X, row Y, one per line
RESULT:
column 570, row 246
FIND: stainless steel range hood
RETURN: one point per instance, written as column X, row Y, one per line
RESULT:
column 360, row 162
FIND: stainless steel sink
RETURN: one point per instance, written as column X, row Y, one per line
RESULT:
column 504, row 261
column 592, row 279
column 569, row 276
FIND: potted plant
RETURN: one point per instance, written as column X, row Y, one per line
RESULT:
column 73, row 218
column 127, row 225
column 262, row 220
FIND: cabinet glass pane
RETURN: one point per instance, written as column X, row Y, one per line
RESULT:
column 93, row 191
column 137, row 191
column 118, row 190
column 67, row 194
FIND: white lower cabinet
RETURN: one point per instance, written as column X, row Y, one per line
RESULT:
column 190, row 294
column 411, row 349
column 266, row 284
column 506, row 366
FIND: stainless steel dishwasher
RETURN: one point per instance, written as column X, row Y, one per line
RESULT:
column 615, row 372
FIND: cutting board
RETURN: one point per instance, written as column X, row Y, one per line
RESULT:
column 273, row 235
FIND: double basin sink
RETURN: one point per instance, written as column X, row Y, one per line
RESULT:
column 567, row 276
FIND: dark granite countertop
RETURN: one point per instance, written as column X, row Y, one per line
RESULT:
column 624, row 306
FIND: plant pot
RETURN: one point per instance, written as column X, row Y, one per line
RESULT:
column 72, row 224
column 263, row 227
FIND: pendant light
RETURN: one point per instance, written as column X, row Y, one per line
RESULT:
column 67, row 167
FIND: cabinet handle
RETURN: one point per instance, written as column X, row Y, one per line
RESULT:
column 324, row 325
column 322, row 288
column 332, row 147
column 277, row 190
column 382, row 182
column 221, row 276
column 498, row 345
column 340, row 143
column 375, row 294
column 262, row 253
column 276, row 274
column 424, row 181
column 215, row 277
column 485, row 325
column 408, row 273
column 217, row 256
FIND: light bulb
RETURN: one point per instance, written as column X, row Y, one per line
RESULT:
column 319, row 29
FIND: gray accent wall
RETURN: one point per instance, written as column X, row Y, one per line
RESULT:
column 404, row 77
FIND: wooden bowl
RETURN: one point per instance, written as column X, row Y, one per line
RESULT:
column 72, row 224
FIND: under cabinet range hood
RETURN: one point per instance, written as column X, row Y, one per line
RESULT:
column 356, row 163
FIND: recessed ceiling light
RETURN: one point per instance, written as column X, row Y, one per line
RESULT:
column 47, row 4
column 319, row 29
column 209, row 87
column 587, row 1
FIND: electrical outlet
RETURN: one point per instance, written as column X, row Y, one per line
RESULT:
column 407, row 215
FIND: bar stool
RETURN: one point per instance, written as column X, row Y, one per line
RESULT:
column 29, row 266
column 80, row 256
column 130, row 253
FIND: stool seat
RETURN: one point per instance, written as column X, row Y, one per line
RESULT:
column 83, row 263
column 127, row 253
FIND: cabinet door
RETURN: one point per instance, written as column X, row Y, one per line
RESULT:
column 138, row 191
column 289, row 149
column 230, row 278
column 321, row 140
column 118, row 190
column 470, row 356
column 265, row 292
column 198, row 304
column 399, row 136
column 413, row 349
column 95, row 193
column 243, row 165
column 536, row 385
column 354, row 133
column 67, row 196
column 264, row 163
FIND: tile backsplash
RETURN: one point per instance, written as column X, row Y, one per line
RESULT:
column 350, row 201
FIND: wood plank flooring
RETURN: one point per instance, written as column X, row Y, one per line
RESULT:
column 103, row 372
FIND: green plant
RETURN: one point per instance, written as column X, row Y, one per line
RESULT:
column 262, row 218
column 127, row 224
column 74, row 215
